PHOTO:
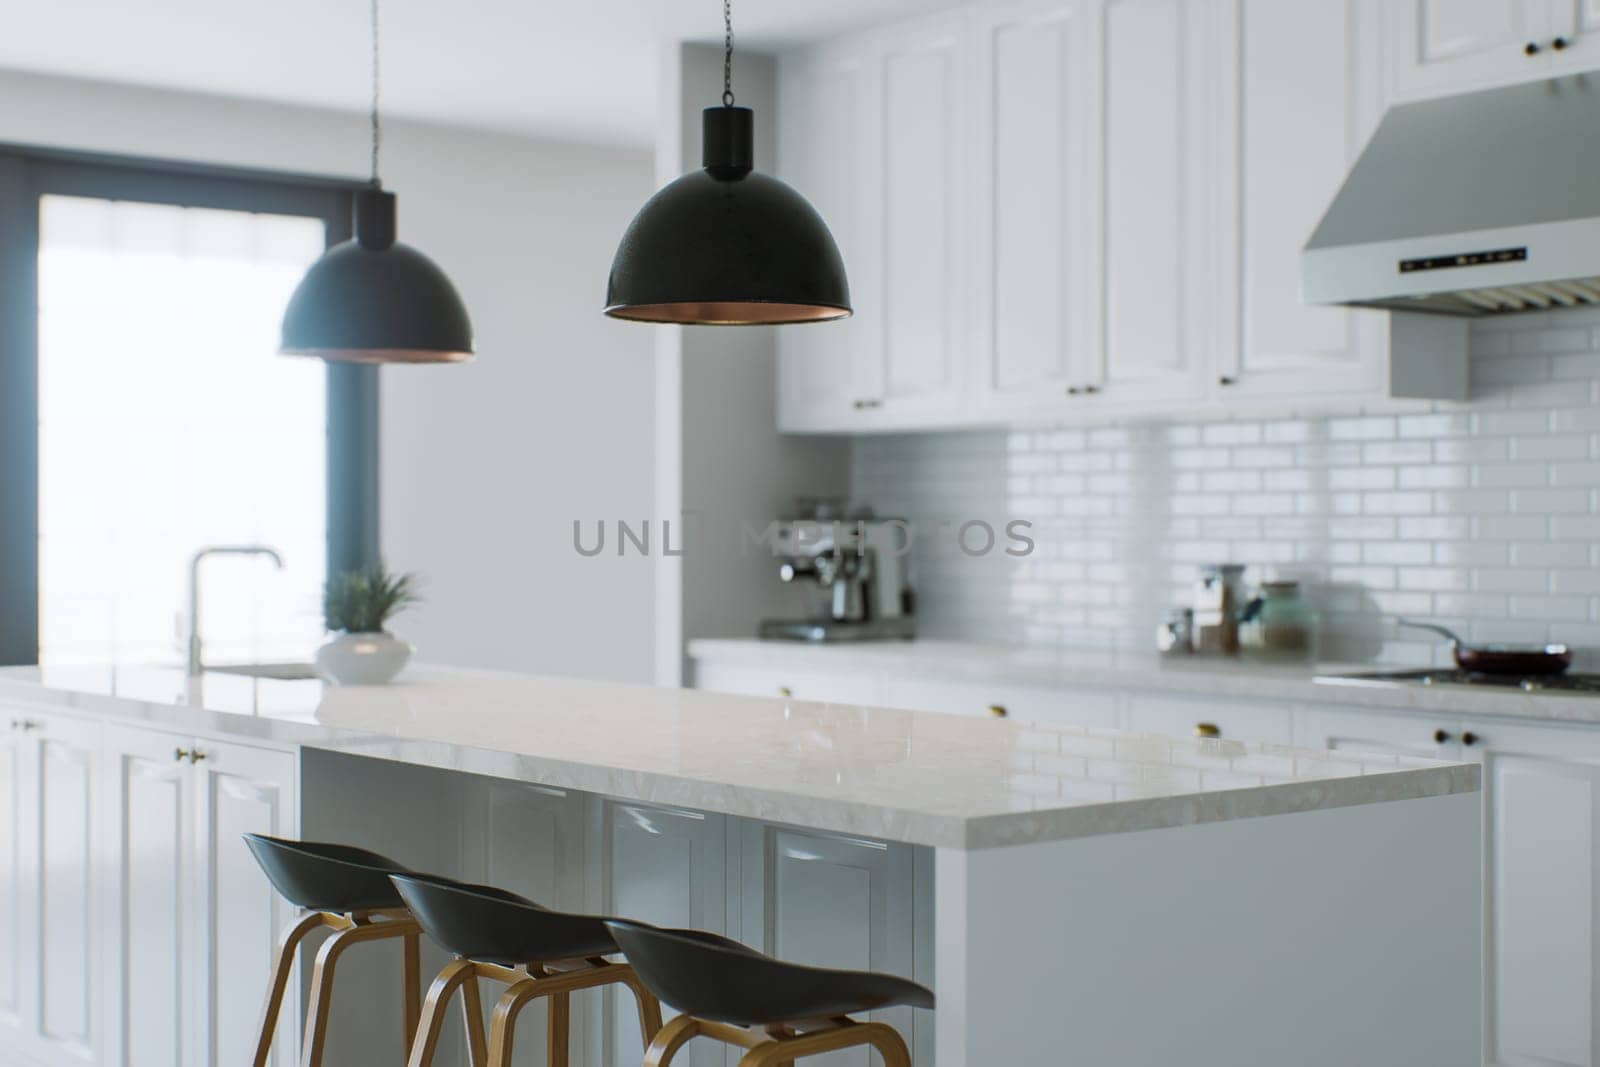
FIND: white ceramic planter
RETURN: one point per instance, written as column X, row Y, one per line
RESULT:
column 362, row 659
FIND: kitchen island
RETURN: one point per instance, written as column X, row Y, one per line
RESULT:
column 1073, row 894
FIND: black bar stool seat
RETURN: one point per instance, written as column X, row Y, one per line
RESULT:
column 320, row 876
column 344, row 889
column 495, row 925
column 778, row 1011
column 534, row 951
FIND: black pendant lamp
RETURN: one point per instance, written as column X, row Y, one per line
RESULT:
column 373, row 299
column 726, row 246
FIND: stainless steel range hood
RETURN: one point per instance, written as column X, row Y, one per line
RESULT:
column 1479, row 204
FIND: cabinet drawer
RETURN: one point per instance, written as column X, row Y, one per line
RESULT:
column 769, row 681
column 1234, row 720
column 1059, row 707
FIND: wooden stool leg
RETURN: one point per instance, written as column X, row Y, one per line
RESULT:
column 503, row 1024
column 282, row 966
column 557, row 1031
column 411, row 975
column 455, row 973
column 890, row 1045
column 669, row 1039
column 316, row 1036
column 472, row 1018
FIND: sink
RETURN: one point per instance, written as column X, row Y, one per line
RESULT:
column 279, row 672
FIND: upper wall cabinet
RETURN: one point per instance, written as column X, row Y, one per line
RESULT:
column 873, row 129
column 1037, row 190
column 1448, row 46
column 1084, row 209
column 1302, row 91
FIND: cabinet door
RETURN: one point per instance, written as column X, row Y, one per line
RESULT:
column 239, row 789
column 666, row 866
column 918, row 181
column 147, row 789
column 825, row 135
column 1305, row 95
column 1541, row 819
column 16, row 748
column 1158, row 121
column 1361, row 731
column 533, row 845
column 831, row 901
column 1036, row 275
column 1454, row 45
column 66, row 942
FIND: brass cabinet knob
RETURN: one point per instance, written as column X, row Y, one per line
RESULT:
column 997, row 711
column 1559, row 44
column 180, row 754
column 1440, row 736
column 1469, row 738
column 785, row 691
column 1531, row 48
column 1207, row 729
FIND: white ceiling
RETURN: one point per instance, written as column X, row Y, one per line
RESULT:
column 574, row 69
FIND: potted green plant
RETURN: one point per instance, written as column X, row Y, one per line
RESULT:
column 356, row 605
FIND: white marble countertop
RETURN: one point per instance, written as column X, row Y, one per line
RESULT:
column 1193, row 675
column 919, row 777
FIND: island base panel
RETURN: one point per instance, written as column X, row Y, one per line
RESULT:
column 1323, row 939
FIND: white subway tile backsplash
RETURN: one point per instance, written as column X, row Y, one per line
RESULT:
column 1483, row 514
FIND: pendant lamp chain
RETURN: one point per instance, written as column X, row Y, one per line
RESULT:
column 727, row 52
column 377, row 128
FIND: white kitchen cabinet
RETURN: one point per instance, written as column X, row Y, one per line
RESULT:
column 1303, row 95
column 1181, row 716
column 1094, row 205
column 190, row 924
column 61, row 953
column 772, row 681
column 14, row 830
column 49, row 939
column 1375, row 731
column 829, row 900
column 883, row 146
column 1025, row 703
column 1452, row 46
column 826, row 135
column 666, row 866
column 1542, row 829
column 1036, row 188
column 1158, row 148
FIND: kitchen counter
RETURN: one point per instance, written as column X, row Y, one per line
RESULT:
column 1057, row 886
column 959, row 661
column 914, row 777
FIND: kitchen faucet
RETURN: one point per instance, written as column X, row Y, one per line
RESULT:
column 193, row 664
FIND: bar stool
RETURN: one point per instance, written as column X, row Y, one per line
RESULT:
column 779, row 1012
column 346, row 890
column 534, row 951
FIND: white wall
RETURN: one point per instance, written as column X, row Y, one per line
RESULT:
column 484, row 466
column 1484, row 516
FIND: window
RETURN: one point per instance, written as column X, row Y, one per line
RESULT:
column 167, row 421
column 145, row 413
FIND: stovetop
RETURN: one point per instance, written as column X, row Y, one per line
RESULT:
column 1551, row 683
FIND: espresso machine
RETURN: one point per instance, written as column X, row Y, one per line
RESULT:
column 852, row 570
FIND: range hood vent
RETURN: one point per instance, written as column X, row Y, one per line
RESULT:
column 1486, row 203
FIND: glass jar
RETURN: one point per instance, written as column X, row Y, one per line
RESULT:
column 1278, row 625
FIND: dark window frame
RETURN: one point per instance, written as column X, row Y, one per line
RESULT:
column 26, row 174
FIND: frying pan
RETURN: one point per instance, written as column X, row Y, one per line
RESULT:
column 1500, row 659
